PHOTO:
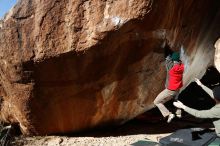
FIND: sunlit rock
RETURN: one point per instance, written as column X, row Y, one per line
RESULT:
column 217, row 55
column 68, row 66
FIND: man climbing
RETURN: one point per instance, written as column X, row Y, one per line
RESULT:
column 213, row 113
column 175, row 69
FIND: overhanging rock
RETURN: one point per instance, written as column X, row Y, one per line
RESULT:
column 67, row 66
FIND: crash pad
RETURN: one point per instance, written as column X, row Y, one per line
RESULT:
column 145, row 143
column 189, row 137
column 216, row 142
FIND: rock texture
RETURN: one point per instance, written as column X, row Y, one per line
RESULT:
column 67, row 66
column 217, row 55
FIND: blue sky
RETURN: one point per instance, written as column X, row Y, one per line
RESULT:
column 5, row 6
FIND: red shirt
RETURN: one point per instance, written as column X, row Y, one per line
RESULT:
column 175, row 77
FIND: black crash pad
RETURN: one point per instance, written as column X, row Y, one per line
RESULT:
column 145, row 143
column 189, row 137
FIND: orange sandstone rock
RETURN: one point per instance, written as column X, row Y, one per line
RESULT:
column 68, row 66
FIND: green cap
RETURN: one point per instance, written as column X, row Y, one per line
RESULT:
column 175, row 56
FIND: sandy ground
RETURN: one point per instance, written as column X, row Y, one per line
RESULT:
column 84, row 141
column 139, row 129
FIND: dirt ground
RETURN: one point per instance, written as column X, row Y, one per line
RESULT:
column 141, row 128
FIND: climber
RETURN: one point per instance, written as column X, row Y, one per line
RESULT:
column 175, row 69
column 213, row 113
column 217, row 55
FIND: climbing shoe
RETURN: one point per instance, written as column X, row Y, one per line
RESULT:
column 179, row 113
column 170, row 118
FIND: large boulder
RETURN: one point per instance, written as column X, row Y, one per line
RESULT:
column 67, row 66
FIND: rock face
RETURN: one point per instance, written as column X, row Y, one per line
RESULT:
column 217, row 55
column 67, row 66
